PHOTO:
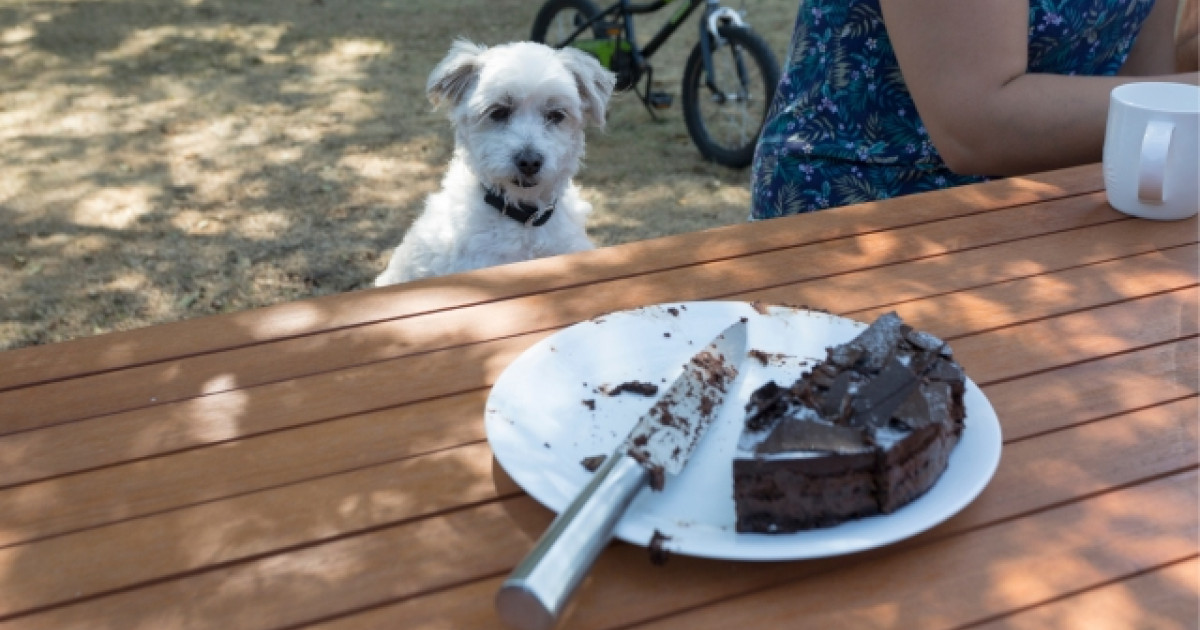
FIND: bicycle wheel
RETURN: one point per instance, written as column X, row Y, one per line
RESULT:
column 725, row 123
column 557, row 19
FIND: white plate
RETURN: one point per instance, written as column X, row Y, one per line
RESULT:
column 540, row 427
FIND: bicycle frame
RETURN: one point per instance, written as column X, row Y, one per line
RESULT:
column 709, row 84
column 625, row 8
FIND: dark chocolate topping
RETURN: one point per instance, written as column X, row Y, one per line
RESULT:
column 889, row 379
column 809, row 434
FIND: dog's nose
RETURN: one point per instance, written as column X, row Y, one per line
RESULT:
column 529, row 162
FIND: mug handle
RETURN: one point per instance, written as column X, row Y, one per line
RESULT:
column 1153, row 167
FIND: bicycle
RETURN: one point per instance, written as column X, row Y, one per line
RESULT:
column 725, row 99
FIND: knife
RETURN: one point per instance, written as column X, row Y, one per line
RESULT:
column 662, row 442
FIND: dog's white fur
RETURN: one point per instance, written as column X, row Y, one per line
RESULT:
column 509, row 104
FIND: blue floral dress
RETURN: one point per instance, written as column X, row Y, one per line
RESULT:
column 843, row 128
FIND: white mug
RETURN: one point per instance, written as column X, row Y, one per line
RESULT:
column 1152, row 150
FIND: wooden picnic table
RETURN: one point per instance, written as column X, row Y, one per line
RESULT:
column 324, row 462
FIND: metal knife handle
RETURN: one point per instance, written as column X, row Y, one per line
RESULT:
column 538, row 589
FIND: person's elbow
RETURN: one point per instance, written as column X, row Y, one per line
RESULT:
column 965, row 153
column 989, row 146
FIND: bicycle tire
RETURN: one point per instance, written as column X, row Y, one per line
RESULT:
column 734, row 149
column 552, row 9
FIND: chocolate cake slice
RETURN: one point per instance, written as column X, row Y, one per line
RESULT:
column 865, row 432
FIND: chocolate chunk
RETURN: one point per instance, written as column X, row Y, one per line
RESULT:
column 593, row 462
column 633, row 387
column 925, row 341
column 766, row 404
column 837, row 399
column 877, row 341
column 658, row 478
column 658, row 553
column 844, row 356
column 807, row 433
column 875, row 401
column 766, row 358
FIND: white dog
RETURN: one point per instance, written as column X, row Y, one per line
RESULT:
column 519, row 111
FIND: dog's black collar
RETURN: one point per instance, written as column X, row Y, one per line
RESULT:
column 523, row 213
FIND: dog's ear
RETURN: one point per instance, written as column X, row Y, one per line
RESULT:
column 594, row 81
column 455, row 74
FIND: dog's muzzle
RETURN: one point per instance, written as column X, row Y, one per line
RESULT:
column 529, row 164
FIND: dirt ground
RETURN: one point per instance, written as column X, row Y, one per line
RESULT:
column 161, row 160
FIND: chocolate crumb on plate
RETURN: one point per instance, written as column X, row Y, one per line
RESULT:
column 658, row 553
column 657, row 478
column 766, row 358
column 592, row 463
column 634, row 387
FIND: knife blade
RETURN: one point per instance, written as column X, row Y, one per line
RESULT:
column 662, row 441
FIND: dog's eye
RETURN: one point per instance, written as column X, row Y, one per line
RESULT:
column 555, row 116
column 500, row 113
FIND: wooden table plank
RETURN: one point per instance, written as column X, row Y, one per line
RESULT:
column 923, row 289
column 950, row 577
column 143, row 386
column 1084, row 392
column 242, row 528
column 141, row 488
column 1173, row 268
column 1164, row 598
column 1059, row 341
column 223, row 418
column 81, row 445
column 272, row 462
column 371, row 502
column 1012, row 565
column 304, row 584
column 170, row 341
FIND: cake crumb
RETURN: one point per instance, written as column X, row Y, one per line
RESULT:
column 658, row 478
column 766, row 358
column 659, row 553
column 593, row 462
column 634, row 387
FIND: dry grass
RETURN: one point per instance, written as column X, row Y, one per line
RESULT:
column 170, row 159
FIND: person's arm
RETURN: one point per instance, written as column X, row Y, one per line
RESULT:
column 1153, row 51
column 965, row 66
column 1187, row 40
